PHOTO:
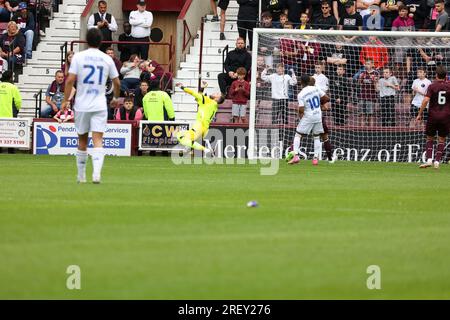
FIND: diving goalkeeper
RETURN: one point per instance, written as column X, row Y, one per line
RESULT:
column 207, row 108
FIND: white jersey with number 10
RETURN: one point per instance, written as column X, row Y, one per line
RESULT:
column 92, row 68
column 309, row 98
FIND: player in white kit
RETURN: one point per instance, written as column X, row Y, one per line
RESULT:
column 91, row 69
column 310, row 100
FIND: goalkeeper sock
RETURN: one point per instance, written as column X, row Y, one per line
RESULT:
column 429, row 149
column 317, row 147
column 81, row 157
column 439, row 152
column 97, row 162
column 198, row 146
column 297, row 144
column 328, row 149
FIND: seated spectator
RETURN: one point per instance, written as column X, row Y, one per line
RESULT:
column 374, row 20
column 54, row 96
column 363, row 6
column 403, row 22
column 235, row 59
column 295, row 8
column 14, row 40
column 110, row 52
column 26, row 24
column 140, row 94
column 157, row 104
column 239, row 93
column 105, row 22
column 126, row 50
column 5, row 14
column 128, row 111
column 326, row 21
column 266, row 20
column 131, row 73
column 315, row 8
column 64, row 115
column 275, row 7
column 304, row 22
column 351, row 20
column 283, row 20
column 151, row 69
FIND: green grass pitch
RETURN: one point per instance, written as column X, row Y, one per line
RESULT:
column 154, row 230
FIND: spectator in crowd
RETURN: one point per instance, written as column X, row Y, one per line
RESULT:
column 141, row 21
column 280, row 83
column 418, row 57
column 131, row 73
column 239, row 93
column 126, row 50
column 45, row 13
column 289, row 51
column 294, row 8
column 304, row 22
column 54, row 96
column 309, row 53
column 66, row 66
column 5, row 14
column 419, row 88
column 350, row 20
column 157, row 104
column 140, row 94
column 442, row 17
column 389, row 11
column 315, row 8
column 340, row 87
column 326, row 21
column 283, row 20
column 275, row 7
column 403, row 22
column 128, row 111
column 237, row 58
column 64, row 115
column 374, row 20
column 153, row 70
column 247, row 16
column 339, row 9
column 321, row 80
column 388, row 86
column 368, row 80
column 363, row 6
column 223, row 5
column 110, row 52
column 262, row 86
column 105, row 22
column 10, row 98
column 25, row 22
column 12, row 45
column 334, row 55
column 376, row 51
column 266, row 20
column 418, row 10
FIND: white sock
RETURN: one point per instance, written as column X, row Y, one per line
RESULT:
column 97, row 161
column 317, row 147
column 81, row 157
column 297, row 144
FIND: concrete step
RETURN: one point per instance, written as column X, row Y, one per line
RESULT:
column 66, row 33
column 207, row 67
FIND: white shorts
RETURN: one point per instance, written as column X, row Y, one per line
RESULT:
column 86, row 122
column 306, row 128
column 238, row 110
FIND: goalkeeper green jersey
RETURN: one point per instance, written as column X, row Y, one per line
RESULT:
column 9, row 94
column 207, row 108
column 154, row 104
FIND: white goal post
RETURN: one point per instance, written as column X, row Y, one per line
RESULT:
column 365, row 124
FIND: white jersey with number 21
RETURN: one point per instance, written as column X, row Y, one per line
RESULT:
column 309, row 98
column 92, row 68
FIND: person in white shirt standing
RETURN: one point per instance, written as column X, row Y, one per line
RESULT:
column 310, row 101
column 141, row 21
column 105, row 22
column 90, row 69
column 321, row 80
column 419, row 87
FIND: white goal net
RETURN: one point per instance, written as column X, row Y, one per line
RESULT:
column 376, row 82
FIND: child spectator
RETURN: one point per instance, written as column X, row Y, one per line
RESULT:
column 283, row 20
column 266, row 20
column 304, row 22
column 320, row 78
column 280, row 83
column 131, row 73
column 368, row 80
column 64, row 115
column 128, row 111
column 388, row 87
column 419, row 87
column 340, row 87
column 239, row 93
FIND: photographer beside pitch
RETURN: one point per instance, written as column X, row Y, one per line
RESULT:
column 91, row 68
column 438, row 97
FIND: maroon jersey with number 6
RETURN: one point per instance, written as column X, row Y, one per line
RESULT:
column 438, row 108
